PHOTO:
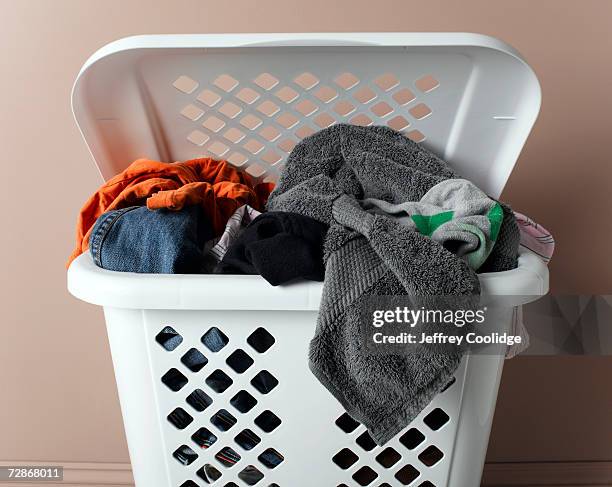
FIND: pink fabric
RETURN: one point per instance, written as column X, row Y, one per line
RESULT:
column 535, row 237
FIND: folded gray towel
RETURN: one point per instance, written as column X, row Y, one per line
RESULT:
column 368, row 254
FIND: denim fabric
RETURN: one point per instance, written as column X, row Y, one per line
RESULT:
column 137, row 239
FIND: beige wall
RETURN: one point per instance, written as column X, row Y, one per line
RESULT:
column 58, row 395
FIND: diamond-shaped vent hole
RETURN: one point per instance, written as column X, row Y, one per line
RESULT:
column 225, row 82
column 270, row 458
column 250, row 475
column 247, row 440
column 365, row 476
column 270, row 133
column 287, row 120
column 217, row 148
column 304, row 131
column 267, row 421
column 412, row 438
column 427, row 83
column 192, row 112
column 253, row 146
column 364, row 95
column 398, row 123
column 180, row 418
column 436, row 419
column 403, row 96
column 237, row 159
column 214, row 339
column 223, row 420
column 306, row 80
column 194, row 360
column 169, row 338
column 344, row 108
column 407, row 474
column 174, row 379
column 324, row 120
column 266, row 81
column 420, row 111
column 261, row 340
column 268, row 108
column 287, row 94
column 219, row 381
column 326, row 94
column 306, row 107
column 227, row 457
column 185, row 84
column 345, row 458
column 255, row 170
column 214, row 124
column 387, row 81
column 234, row 135
column 199, row 400
column 185, row 455
column 243, row 401
column 362, row 120
column 366, row 442
column 239, row 361
column 209, row 98
column 204, row 438
column 250, row 121
column 264, row 382
column 381, row 109
column 198, row 137
column 427, row 483
column 230, row 110
column 346, row 80
column 189, row 483
column 346, row 423
column 416, row 136
column 208, row 473
column 247, row 95
column 388, row 457
column 431, row 455
column 287, row 145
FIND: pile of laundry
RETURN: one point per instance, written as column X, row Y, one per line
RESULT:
column 364, row 209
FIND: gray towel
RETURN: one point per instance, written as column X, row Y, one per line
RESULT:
column 368, row 254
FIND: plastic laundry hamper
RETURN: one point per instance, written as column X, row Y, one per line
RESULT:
column 212, row 369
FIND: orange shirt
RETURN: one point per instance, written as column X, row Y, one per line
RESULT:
column 215, row 185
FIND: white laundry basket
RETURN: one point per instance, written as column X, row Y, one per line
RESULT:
column 249, row 411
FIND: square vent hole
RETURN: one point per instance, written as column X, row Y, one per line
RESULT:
column 261, row 340
column 250, row 475
column 264, row 382
column 194, row 360
column 223, row 420
column 180, row 418
column 219, row 381
column 247, row 440
column 199, row 400
column 174, row 379
column 243, row 401
column 267, row 421
column 270, row 458
column 345, row 458
column 214, row 339
column 204, row 438
column 239, row 361
column 169, row 338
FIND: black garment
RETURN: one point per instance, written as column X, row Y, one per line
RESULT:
column 281, row 246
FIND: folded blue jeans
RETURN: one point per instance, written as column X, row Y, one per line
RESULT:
column 137, row 239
